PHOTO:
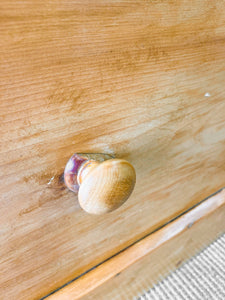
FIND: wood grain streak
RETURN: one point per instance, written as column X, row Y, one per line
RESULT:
column 142, row 80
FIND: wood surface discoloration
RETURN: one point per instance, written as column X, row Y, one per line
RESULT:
column 127, row 78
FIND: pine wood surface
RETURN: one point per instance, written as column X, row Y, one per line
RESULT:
column 142, row 80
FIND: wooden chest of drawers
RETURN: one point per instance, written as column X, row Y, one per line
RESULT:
column 142, row 80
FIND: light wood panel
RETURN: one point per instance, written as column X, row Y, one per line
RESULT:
column 143, row 80
column 133, row 271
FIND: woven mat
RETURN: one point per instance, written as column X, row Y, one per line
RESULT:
column 200, row 278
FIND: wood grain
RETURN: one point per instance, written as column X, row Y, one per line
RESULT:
column 136, row 269
column 143, row 80
column 107, row 186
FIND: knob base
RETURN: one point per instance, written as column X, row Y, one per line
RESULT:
column 74, row 166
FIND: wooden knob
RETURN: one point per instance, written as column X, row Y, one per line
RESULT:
column 102, row 186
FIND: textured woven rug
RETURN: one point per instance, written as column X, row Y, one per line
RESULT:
column 200, row 278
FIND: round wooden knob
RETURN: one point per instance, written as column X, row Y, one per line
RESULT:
column 102, row 186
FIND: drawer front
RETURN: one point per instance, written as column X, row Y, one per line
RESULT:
column 143, row 81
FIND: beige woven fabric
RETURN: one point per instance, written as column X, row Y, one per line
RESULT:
column 200, row 278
